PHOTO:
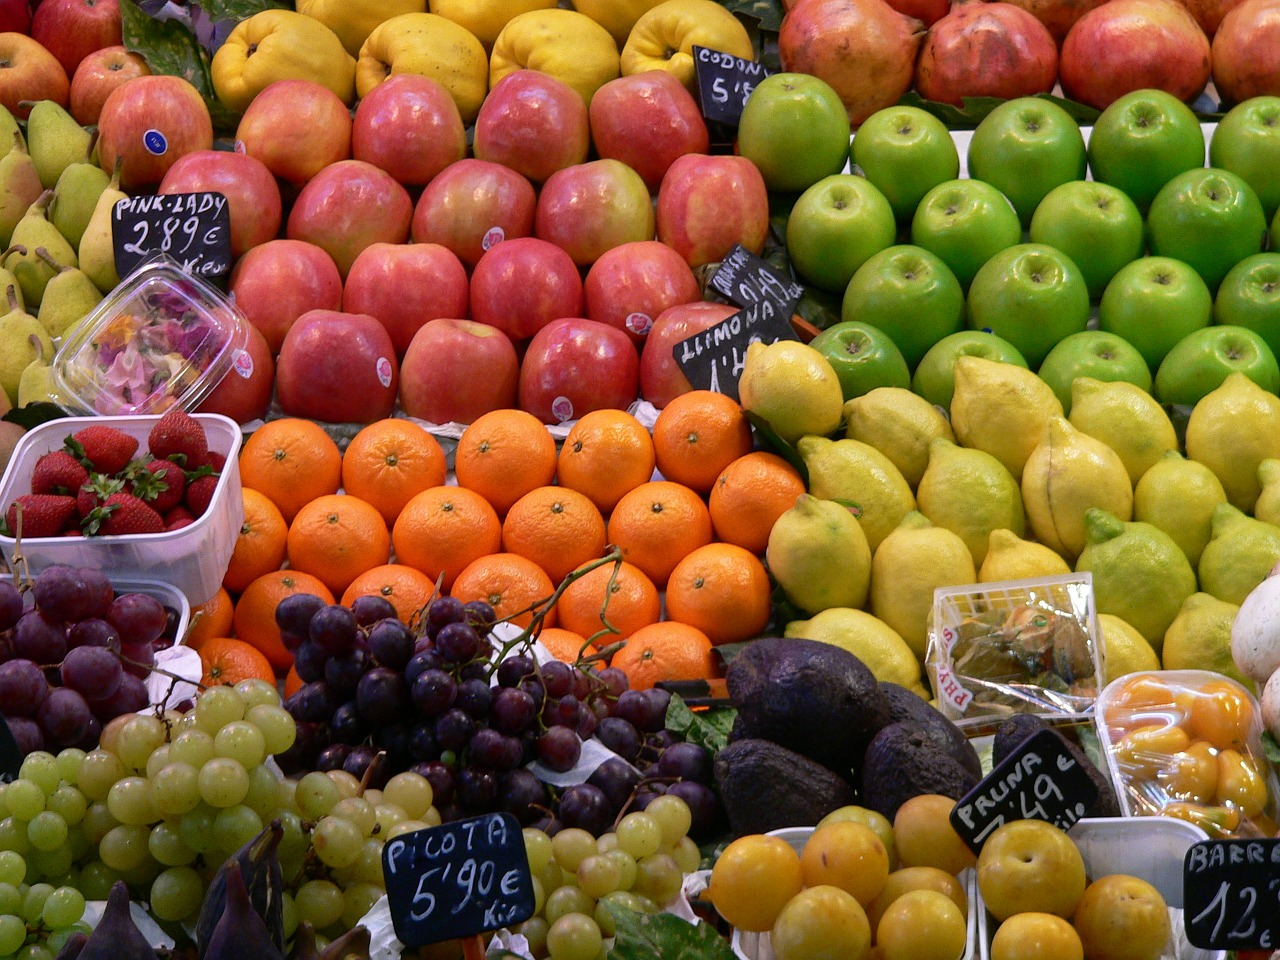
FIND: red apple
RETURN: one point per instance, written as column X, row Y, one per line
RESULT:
column 98, row 74
column 278, row 282
column 661, row 379
column 244, row 394
column 73, row 29
column 706, row 204
column 253, row 198
column 151, row 123
column 473, row 204
column 521, row 285
column 337, row 368
column 646, row 120
column 346, row 207
column 29, row 72
column 633, row 283
column 590, row 208
column 532, row 123
column 573, row 366
column 455, row 371
column 409, row 126
column 297, row 128
column 15, row 16
column 405, row 285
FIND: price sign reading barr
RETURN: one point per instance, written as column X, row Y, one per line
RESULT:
column 713, row 359
column 1231, row 894
column 193, row 229
column 723, row 84
column 745, row 279
column 458, row 879
column 1040, row 780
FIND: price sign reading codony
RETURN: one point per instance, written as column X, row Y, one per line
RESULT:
column 458, row 879
column 194, row 229
column 1231, row 894
column 723, row 84
column 745, row 279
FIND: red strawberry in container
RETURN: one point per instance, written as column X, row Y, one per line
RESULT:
column 102, row 449
column 177, row 518
column 160, row 483
column 122, row 514
column 58, row 472
column 43, row 515
column 179, row 437
column 94, row 493
column 200, row 493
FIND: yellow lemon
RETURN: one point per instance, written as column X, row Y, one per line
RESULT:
column 354, row 20
column 793, row 387
column 1126, row 418
column 664, row 36
column 1200, row 638
column 868, row 638
column 486, row 18
column 863, row 478
column 1002, row 409
column 819, row 555
column 1239, row 555
column 616, row 16
column 970, row 493
column 898, row 423
column 1179, row 496
column 280, row 45
column 568, row 45
column 1009, row 557
column 1124, row 649
column 1231, row 431
column 432, row 46
column 1267, row 508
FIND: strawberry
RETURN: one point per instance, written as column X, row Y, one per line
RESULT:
column 177, row 518
column 159, row 483
column 95, row 492
column 217, row 460
column 43, row 514
column 179, row 435
column 102, row 449
column 120, row 515
column 200, row 492
column 58, row 472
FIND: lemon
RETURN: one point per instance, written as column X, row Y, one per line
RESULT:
column 280, row 45
column 819, row 555
column 900, row 425
column 913, row 561
column 1267, row 508
column 862, row 477
column 1231, row 431
column 970, row 493
column 1124, row 649
column 568, row 45
column 1126, row 418
column 663, row 37
column 1066, row 474
column 869, row 639
column 793, row 387
column 1200, row 638
column 1009, row 557
column 1179, row 496
column 1002, row 409
column 485, row 18
column 1240, row 554
column 1139, row 573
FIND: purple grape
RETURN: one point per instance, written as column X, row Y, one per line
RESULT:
column 480, row 615
column 369, row 610
column 313, row 703
column 454, row 729
column 441, row 779
column 332, row 757
column 381, row 696
column 170, row 635
column 599, row 708
column 640, row 711
column 390, row 643
column 475, row 670
column 301, row 757
column 92, row 734
column 585, row 806
column 345, row 726
column 581, row 684
column 343, row 672
column 586, row 723
column 93, row 632
column 100, row 593
column 309, row 661
column 512, row 711
column 291, row 641
column 434, row 692
column 487, row 748
column 567, row 711
column 394, row 739
column 617, row 779
column 477, row 789
column 91, row 670
column 620, row 737
column 520, row 794
column 333, row 628
column 139, row 618
column 659, row 700
column 294, row 613
column 420, row 663
column 613, row 683
column 64, row 717
column 131, row 697
column 475, row 697
column 65, row 594
column 444, row 611
column 535, row 689
column 23, row 688
column 138, row 660
column 559, row 748
column 10, row 605
column 643, row 798
column 528, row 745
column 557, row 678
column 703, row 808
column 39, row 637
column 422, row 743
column 458, row 642
column 26, row 734
column 360, row 759
column 686, row 761
column 514, row 669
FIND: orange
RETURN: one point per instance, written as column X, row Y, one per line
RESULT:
column 210, row 619
column 228, row 661
column 443, row 529
column 292, row 682
column 722, row 590
column 657, row 525
column 503, row 455
column 260, row 546
column 255, row 616
column 749, row 496
column 565, row 644
column 557, row 528
column 507, row 582
column 633, row 602
column 606, row 453
column 337, row 538
column 697, row 435
column 390, row 461
column 292, row 461
column 406, row 589
column 665, row 651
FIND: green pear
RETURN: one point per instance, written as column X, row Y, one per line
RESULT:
column 22, row 339
column 37, row 385
column 97, row 253
column 68, row 297
column 55, row 140
column 34, row 230
column 7, row 279
column 8, row 127
column 19, row 186
column 75, row 196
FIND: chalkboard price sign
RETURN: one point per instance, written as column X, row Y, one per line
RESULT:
column 10, row 755
column 714, row 358
column 723, row 84
column 1231, row 894
column 193, row 229
column 1040, row 780
column 745, row 279
column 458, row 879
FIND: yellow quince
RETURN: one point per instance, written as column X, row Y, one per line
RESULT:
column 664, row 37
column 280, row 45
column 616, row 16
column 430, row 45
column 354, row 20
column 486, row 18
column 568, row 45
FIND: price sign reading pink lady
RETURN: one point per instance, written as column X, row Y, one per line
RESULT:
column 192, row 229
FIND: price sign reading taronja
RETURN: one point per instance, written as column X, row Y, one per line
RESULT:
column 723, row 84
column 193, row 229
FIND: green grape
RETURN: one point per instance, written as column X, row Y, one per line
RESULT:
column 319, row 902
column 138, row 739
column 535, row 931
column 276, row 726
column 288, row 914
column 69, row 803
column 167, row 846
column 405, row 826
column 63, row 907
column 223, row 782
column 626, row 864
column 387, row 816
column 336, row 841
column 4, row 809
column 233, row 827
column 687, row 855
column 216, row 707
column 48, row 831
column 432, row 817
column 411, row 792
column 159, row 757
column 124, row 847
column 673, row 817
column 349, row 786
column 99, row 770
column 41, row 768
column 50, row 863
column 10, row 898
column 191, row 746
column 288, row 794
column 316, row 795
column 255, row 692
column 78, row 843
column 537, row 847
column 24, row 798
column 69, row 760
column 567, row 900
column 571, row 846
column 143, row 875
column 13, row 869
column 13, row 835
column 368, row 865
column 604, row 919
column 574, row 936
column 196, row 828
column 13, row 933
column 357, row 899
column 96, row 879
column 58, row 938
column 625, row 899
column 33, row 951
column 264, row 793
column 33, row 901
column 176, row 893
column 552, row 876
column 97, row 821
column 639, row 835
column 607, row 842
column 129, row 801
column 293, row 842
column 69, row 879
column 175, row 789
column 539, row 895
column 599, row 875
column 658, row 877
column 242, row 742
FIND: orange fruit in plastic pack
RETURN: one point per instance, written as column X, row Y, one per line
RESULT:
column 1192, row 774
column 1144, row 751
column 1222, row 714
column 1240, row 783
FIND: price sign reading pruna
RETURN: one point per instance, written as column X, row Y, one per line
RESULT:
column 10, row 755
column 194, row 229
column 1231, row 894
column 744, row 279
column 723, row 84
column 714, row 358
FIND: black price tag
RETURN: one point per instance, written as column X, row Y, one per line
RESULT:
column 458, row 879
column 713, row 359
column 1231, row 894
column 193, row 229
column 1040, row 780
column 723, row 84
column 745, row 279
column 10, row 755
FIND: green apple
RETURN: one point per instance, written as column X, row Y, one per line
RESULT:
column 1032, row 295
column 1094, row 224
column 905, row 152
column 863, row 357
column 909, row 294
column 1250, row 297
column 935, row 377
column 1026, row 147
column 1153, row 303
column 1092, row 353
column 965, row 223
column 1142, row 141
column 795, row 128
column 1247, row 142
column 835, row 227
column 1201, row 360
column 1209, row 218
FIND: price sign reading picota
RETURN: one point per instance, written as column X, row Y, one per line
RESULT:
column 193, row 229
column 10, row 755
column 723, row 84
column 1231, row 894
column 744, row 279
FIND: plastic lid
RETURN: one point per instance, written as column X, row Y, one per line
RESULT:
column 163, row 338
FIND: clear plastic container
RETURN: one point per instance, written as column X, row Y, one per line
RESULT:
column 161, row 339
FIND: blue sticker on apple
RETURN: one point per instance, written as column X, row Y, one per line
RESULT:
column 155, row 142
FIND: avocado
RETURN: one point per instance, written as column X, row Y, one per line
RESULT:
column 903, row 761
column 814, row 698
column 1023, row 725
column 909, row 707
column 764, row 786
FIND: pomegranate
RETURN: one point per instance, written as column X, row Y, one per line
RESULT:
column 927, row 12
column 1127, row 45
column 865, row 49
column 1246, row 52
column 1209, row 13
column 986, row 50
column 1057, row 15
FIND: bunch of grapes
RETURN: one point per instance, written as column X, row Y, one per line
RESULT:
column 77, row 658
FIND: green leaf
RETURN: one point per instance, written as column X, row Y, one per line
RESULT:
column 770, row 440
column 1270, row 748
column 169, row 47
column 767, row 12
column 708, row 728
column 239, row 9
column 34, row 414
column 644, row 936
column 976, row 108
